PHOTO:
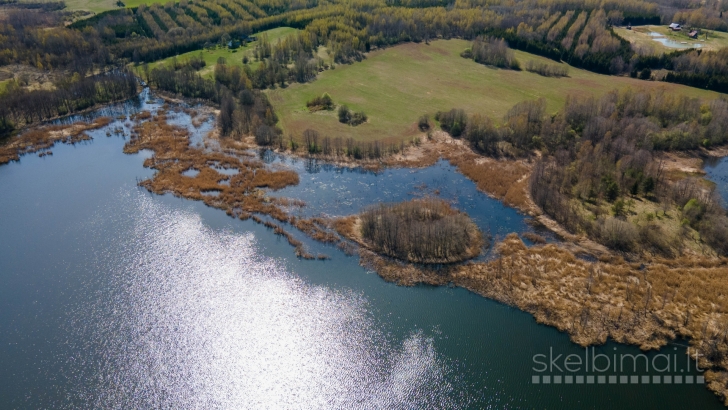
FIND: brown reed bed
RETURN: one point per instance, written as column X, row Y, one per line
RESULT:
column 534, row 237
column 240, row 195
column 42, row 139
column 506, row 180
column 645, row 304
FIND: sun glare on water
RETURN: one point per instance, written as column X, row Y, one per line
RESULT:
column 198, row 318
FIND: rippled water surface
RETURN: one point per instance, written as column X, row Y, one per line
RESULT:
column 114, row 298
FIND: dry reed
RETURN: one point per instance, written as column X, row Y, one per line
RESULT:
column 43, row 138
column 646, row 304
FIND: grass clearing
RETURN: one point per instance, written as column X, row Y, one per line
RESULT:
column 137, row 3
column 96, row 6
column 233, row 57
column 640, row 35
column 395, row 86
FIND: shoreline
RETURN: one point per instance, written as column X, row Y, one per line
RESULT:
column 645, row 304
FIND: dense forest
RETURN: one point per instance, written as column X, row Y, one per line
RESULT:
column 20, row 107
column 578, row 33
column 599, row 155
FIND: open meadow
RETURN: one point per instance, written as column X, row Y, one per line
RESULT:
column 233, row 57
column 137, row 3
column 95, row 6
column 396, row 86
column 98, row 6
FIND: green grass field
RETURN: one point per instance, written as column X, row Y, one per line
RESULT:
column 4, row 84
column 233, row 57
column 97, row 6
column 395, row 86
column 640, row 35
column 137, row 3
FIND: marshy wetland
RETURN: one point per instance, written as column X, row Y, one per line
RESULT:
column 346, row 204
column 187, row 297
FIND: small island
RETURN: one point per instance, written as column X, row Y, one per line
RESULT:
column 421, row 231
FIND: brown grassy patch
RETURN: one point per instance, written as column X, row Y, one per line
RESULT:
column 498, row 178
column 44, row 138
column 643, row 305
column 241, row 197
column 535, row 238
column 646, row 305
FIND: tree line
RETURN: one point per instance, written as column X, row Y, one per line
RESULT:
column 20, row 107
column 560, row 30
column 598, row 151
column 315, row 144
column 492, row 51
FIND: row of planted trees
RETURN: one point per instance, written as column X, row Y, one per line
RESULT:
column 556, row 30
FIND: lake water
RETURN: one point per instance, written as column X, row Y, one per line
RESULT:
column 716, row 170
column 667, row 42
column 111, row 297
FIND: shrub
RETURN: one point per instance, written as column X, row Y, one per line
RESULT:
column 323, row 102
column 421, row 230
column 266, row 135
column 547, row 70
column 654, row 239
column 619, row 235
column 714, row 231
column 346, row 116
column 197, row 62
column 693, row 211
column 492, row 51
column 358, row 118
column 424, row 123
column 453, row 121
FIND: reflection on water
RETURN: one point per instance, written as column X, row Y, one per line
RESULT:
column 338, row 191
column 112, row 297
column 198, row 319
column 660, row 38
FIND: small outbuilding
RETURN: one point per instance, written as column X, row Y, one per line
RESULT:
column 675, row 27
column 693, row 34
